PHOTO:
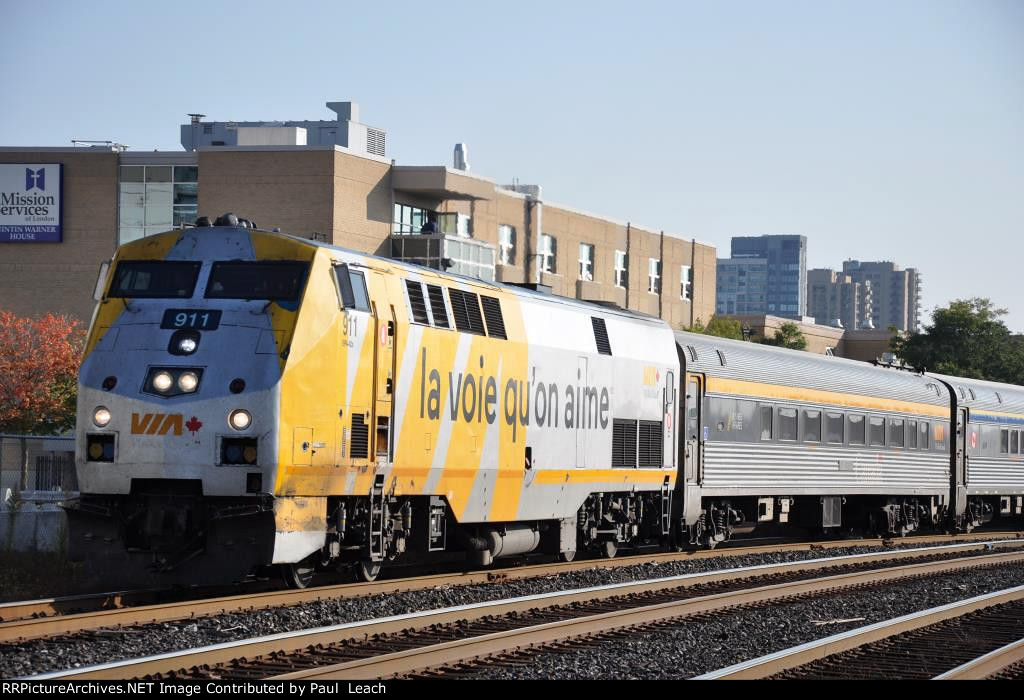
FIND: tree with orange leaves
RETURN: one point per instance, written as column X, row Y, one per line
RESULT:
column 39, row 361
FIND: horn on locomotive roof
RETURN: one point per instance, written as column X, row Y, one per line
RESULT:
column 228, row 219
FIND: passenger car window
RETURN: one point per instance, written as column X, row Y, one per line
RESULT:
column 834, row 425
column 787, row 423
column 876, row 431
column 766, row 422
column 856, row 422
column 911, row 433
column 925, row 434
column 896, row 429
column 812, row 426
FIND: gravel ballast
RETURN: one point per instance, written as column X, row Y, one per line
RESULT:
column 90, row 648
column 706, row 644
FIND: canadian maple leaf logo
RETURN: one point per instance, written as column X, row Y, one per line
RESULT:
column 193, row 425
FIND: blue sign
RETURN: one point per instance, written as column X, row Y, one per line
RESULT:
column 31, row 202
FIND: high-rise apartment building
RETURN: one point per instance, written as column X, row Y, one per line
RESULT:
column 895, row 293
column 836, row 299
column 783, row 291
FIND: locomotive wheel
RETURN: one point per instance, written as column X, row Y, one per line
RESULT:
column 367, row 570
column 609, row 549
column 299, row 575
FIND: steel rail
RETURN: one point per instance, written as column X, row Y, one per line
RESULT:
column 794, row 657
column 164, row 664
column 25, row 628
column 115, row 600
column 984, row 666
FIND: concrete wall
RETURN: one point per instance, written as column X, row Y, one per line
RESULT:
column 36, row 524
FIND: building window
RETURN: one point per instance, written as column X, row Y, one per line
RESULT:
column 548, row 253
column 506, row 244
column 621, row 269
column 586, row 262
column 685, row 282
column 155, row 198
column 653, row 276
column 407, row 219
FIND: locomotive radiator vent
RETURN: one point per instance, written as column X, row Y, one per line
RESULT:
column 359, row 448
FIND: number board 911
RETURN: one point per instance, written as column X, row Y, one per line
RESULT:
column 199, row 319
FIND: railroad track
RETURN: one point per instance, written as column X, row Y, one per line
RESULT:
column 445, row 638
column 67, row 615
column 981, row 637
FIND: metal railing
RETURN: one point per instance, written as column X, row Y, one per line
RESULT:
column 56, row 473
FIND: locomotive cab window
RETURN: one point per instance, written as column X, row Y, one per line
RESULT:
column 351, row 288
column 272, row 280
column 154, row 279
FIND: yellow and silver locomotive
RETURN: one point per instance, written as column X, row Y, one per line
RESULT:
column 250, row 399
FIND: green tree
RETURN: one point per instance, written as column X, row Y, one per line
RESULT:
column 789, row 336
column 720, row 327
column 965, row 339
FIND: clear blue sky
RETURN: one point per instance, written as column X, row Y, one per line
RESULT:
column 880, row 130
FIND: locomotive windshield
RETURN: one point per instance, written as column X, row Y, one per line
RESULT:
column 154, row 279
column 273, row 281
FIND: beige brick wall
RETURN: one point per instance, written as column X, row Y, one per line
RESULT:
column 292, row 190
column 570, row 229
column 37, row 278
column 349, row 199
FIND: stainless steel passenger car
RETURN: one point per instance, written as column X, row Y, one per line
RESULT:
column 775, row 435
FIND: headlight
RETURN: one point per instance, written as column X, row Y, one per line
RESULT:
column 187, row 346
column 162, row 381
column 188, row 381
column 240, row 419
column 101, row 416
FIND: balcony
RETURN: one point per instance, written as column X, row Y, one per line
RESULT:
column 440, row 183
column 447, row 253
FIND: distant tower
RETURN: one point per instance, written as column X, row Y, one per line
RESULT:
column 461, row 161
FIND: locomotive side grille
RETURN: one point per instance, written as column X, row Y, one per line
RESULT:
column 466, row 309
column 359, row 448
column 492, row 313
column 623, row 443
column 601, row 336
column 417, row 302
column 437, row 306
column 650, row 443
